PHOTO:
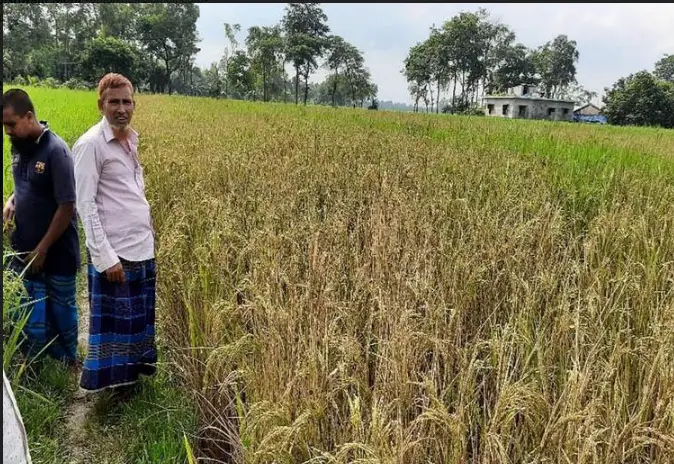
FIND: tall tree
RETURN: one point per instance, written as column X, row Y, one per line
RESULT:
column 239, row 75
column 664, row 68
column 515, row 67
column 72, row 25
column 24, row 29
column 110, row 54
column 231, row 30
column 306, row 32
column 346, row 59
column 441, row 64
column 118, row 20
column 418, row 73
column 169, row 32
column 555, row 62
column 500, row 49
column 265, row 47
column 213, row 80
column 464, row 33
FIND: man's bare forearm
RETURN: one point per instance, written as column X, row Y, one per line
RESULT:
column 59, row 223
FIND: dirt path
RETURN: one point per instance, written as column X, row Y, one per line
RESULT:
column 79, row 409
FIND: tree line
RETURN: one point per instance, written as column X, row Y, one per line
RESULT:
column 155, row 44
column 471, row 54
column 643, row 98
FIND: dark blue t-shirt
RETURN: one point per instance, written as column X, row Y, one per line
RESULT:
column 44, row 177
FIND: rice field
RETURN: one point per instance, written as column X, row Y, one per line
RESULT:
column 346, row 286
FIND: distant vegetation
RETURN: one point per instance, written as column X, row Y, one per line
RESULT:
column 155, row 44
column 643, row 99
column 470, row 55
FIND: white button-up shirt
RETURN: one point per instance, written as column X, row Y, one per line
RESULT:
column 111, row 198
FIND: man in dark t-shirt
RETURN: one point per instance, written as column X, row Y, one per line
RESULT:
column 44, row 237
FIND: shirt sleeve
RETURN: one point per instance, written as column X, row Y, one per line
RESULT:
column 63, row 175
column 88, row 168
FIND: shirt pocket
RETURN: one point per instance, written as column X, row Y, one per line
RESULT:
column 140, row 181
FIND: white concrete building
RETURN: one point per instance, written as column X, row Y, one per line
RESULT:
column 525, row 102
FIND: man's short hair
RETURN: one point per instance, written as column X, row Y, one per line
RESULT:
column 19, row 101
column 113, row 81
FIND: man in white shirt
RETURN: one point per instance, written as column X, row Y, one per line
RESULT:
column 119, row 235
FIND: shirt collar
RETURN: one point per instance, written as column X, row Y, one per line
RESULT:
column 45, row 129
column 109, row 134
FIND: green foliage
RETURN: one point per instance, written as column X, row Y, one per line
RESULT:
column 265, row 47
column 239, row 75
column 471, row 53
column 306, row 40
column 664, row 68
column 168, row 32
column 50, row 83
column 25, row 27
column 555, row 63
column 19, row 80
column 109, row 54
column 77, row 84
column 155, row 44
column 642, row 100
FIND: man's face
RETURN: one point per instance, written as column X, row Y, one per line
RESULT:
column 117, row 106
column 17, row 127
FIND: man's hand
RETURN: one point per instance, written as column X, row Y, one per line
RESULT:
column 36, row 260
column 116, row 274
column 8, row 213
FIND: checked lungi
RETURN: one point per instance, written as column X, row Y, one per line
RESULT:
column 121, row 327
column 50, row 304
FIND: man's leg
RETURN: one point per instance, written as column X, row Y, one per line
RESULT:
column 121, row 332
column 34, row 304
column 29, row 311
column 62, row 316
column 148, row 276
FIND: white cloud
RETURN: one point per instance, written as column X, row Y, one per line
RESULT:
column 614, row 40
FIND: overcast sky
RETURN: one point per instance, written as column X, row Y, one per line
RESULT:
column 614, row 40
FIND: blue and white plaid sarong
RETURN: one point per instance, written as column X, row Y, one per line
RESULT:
column 51, row 304
column 121, row 327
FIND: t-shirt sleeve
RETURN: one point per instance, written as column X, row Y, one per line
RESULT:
column 63, row 174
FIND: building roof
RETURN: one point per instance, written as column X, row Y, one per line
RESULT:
column 519, row 97
column 586, row 105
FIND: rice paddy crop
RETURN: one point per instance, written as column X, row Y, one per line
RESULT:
column 342, row 286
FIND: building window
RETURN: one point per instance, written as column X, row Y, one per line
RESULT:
column 565, row 111
column 522, row 111
column 490, row 108
column 551, row 111
column 505, row 110
column 525, row 90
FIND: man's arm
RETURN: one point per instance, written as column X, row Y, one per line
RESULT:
column 8, row 210
column 59, row 224
column 63, row 188
column 87, row 173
